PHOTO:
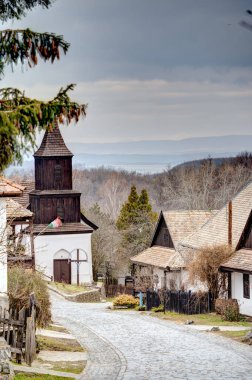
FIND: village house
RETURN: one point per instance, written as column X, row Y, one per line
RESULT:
column 232, row 225
column 20, row 246
column 163, row 260
column 7, row 189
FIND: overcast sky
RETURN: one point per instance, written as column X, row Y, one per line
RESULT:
column 148, row 69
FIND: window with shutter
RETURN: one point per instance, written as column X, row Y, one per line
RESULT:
column 246, row 289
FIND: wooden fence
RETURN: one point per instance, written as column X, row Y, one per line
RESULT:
column 114, row 290
column 18, row 328
column 181, row 302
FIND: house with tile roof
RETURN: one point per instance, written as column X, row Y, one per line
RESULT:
column 231, row 225
column 62, row 234
column 7, row 189
column 20, row 242
column 163, row 258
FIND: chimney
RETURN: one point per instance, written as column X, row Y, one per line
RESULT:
column 230, row 219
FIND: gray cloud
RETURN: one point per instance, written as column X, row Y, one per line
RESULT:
column 148, row 69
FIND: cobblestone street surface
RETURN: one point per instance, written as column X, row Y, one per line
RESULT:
column 126, row 345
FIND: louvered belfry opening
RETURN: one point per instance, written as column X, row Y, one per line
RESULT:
column 53, row 195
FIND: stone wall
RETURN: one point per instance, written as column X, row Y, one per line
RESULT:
column 89, row 296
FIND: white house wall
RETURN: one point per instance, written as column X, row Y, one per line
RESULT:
column 178, row 280
column 237, row 292
column 50, row 247
column 3, row 254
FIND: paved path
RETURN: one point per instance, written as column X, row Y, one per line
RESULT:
column 126, row 345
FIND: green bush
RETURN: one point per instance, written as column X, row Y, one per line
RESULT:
column 158, row 309
column 21, row 283
column 126, row 300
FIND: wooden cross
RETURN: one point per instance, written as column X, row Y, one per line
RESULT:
column 78, row 261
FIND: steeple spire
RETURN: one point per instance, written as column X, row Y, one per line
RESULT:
column 53, row 145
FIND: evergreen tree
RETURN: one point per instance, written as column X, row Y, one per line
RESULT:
column 136, row 222
column 21, row 117
column 130, row 210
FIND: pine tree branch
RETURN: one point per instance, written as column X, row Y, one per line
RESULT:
column 10, row 9
column 21, row 117
column 24, row 45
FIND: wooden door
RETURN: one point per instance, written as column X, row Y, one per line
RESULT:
column 62, row 271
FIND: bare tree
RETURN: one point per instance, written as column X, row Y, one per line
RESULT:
column 205, row 268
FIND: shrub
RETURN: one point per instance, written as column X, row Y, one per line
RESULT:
column 21, row 283
column 126, row 300
column 158, row 309
column 141, row 308
column 228, row 309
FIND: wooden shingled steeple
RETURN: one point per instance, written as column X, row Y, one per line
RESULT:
column 53, row 195
column 53, row 163
column 53, row 145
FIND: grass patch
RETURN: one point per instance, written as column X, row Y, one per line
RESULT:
column 57, row 328
column 110, row 299
column 58, row 344
column 211, row 319
column 235, row 335
column 72, row 367
column 68, row 288
column 34, row 376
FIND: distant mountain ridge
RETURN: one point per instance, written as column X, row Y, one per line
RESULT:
column 152, row 156
column 230, row 144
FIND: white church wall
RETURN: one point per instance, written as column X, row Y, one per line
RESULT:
column 237, row 293
column 50, row 247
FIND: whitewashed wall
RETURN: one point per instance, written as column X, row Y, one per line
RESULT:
column 237, row 292
column 3, row 254
column 50, row 247
column 26, row 241
column 179, row 279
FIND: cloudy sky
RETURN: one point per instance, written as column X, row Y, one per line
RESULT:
column 148, row 69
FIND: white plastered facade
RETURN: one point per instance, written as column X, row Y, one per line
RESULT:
column 64, row 246
column 3, row 253
column 245, row 304
column 176, row 280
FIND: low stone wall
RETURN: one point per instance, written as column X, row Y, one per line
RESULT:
column 89, row 296
column 93, row 295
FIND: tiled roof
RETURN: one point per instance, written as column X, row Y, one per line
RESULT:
column 14, row 210
column 66, row 228
column 159, row 257
column 241, row 260
column 215, row 230
column 9, row 188
column 183, row 223
column 53, row 145
column 28, row 185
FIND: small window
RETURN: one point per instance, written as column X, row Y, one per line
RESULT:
column 246, row 289
column 166, row 236
column 57, row 173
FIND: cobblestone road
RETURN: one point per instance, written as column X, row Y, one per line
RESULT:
column 126, row 345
